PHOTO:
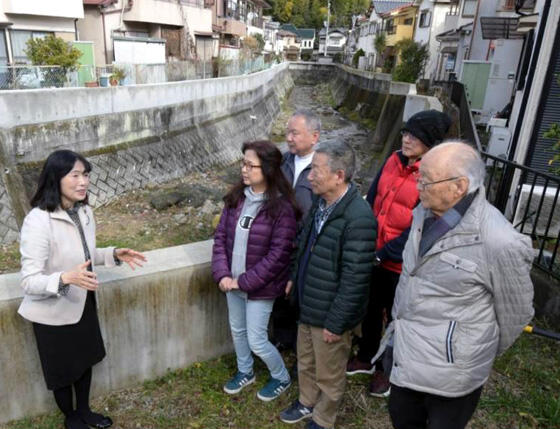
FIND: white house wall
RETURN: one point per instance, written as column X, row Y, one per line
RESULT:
column 36, row 23
column 198, row 19
column 137, row 52
column 73, row 9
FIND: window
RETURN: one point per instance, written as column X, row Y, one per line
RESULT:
column 450, row 62
column 408, row 21
column 19, row 40
column 425, row 18
column 509, row 5
column 3, row 50
column 469, row 8
column 391, row 29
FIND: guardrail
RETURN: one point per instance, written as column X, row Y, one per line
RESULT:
column 532, row 206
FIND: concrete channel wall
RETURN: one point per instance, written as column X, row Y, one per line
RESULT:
column 166, row 315
column 133, row 135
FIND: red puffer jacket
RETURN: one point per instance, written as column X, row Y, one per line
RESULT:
column 395, row 198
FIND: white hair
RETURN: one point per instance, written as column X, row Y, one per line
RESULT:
column 465, row 161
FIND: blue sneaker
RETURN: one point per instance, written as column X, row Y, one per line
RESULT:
column 296, row 413
column 273, row 389
column 238, row 382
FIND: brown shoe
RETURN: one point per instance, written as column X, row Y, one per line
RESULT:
column 379, row 385
column 356, row 366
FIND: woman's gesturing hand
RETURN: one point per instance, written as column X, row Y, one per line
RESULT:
column 131, row 257
column 81, row 277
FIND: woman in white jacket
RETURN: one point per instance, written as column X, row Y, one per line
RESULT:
column 58, row 256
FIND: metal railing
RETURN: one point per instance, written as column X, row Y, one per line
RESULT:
column 532, row 206
column 33, row 77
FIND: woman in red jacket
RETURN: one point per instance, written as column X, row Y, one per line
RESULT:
column 393, row 195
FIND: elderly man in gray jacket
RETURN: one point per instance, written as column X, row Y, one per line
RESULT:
column 463, row 297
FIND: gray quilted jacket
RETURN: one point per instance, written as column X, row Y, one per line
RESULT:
column 461, row 304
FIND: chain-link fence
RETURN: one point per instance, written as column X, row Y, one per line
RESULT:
column 31, row 77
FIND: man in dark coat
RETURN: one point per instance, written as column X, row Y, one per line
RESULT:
column 330, row 279
column 302, row 134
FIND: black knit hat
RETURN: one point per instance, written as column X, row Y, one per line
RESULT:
column 430, row 126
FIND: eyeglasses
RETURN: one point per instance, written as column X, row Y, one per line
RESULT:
column 423, row 185
column 248, row 165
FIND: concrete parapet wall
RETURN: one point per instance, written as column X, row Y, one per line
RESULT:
column 132, row 135
column 166, row 315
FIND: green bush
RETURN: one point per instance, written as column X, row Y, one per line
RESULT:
column 413, row 56
column 356, row 58
column 53, row 51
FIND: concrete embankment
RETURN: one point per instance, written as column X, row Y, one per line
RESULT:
column 133, row 135
column 166, row 315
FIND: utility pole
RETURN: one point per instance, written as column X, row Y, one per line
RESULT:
column 328, row 20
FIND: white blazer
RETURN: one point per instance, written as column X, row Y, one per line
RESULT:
column 50, row 245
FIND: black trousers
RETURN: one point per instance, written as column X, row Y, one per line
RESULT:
column 381, row 297
column 410, row 409
column 284, row 323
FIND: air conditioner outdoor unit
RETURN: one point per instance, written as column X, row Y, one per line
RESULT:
column 532, row 215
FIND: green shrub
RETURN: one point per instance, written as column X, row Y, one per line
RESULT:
column 356, row 58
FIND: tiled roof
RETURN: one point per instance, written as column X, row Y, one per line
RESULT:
column 304, row 33
column 382, row 7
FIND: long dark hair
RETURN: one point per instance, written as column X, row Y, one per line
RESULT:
column 58, row 164
column 277, row 187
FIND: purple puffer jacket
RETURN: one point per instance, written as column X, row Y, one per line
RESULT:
column 269, row 248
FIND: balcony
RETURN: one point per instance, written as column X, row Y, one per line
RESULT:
column 230, row 25
column 155, row 12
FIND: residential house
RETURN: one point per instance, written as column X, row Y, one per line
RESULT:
column 483, row 51
column 398, row 24
column 148, row 31
column 271, row 28
column 234, row 19
column 306, row 38
column 365, row 33
column 336, row 41
column 21, row 20
column 289, row 44
column 536, row 105
column 433, row 16
column 368, row 29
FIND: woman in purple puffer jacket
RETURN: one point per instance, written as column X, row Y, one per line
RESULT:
column 250, row 262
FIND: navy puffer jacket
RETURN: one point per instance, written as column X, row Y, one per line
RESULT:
column 270, row 244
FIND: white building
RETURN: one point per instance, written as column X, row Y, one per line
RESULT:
column 431, row 21
column 482, row 50
column 148, row 31
column 271, row 44
column 21, row 20
column 336, row 41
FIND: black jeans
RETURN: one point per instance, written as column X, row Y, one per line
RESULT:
column 381, row 297
column 410, row 409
